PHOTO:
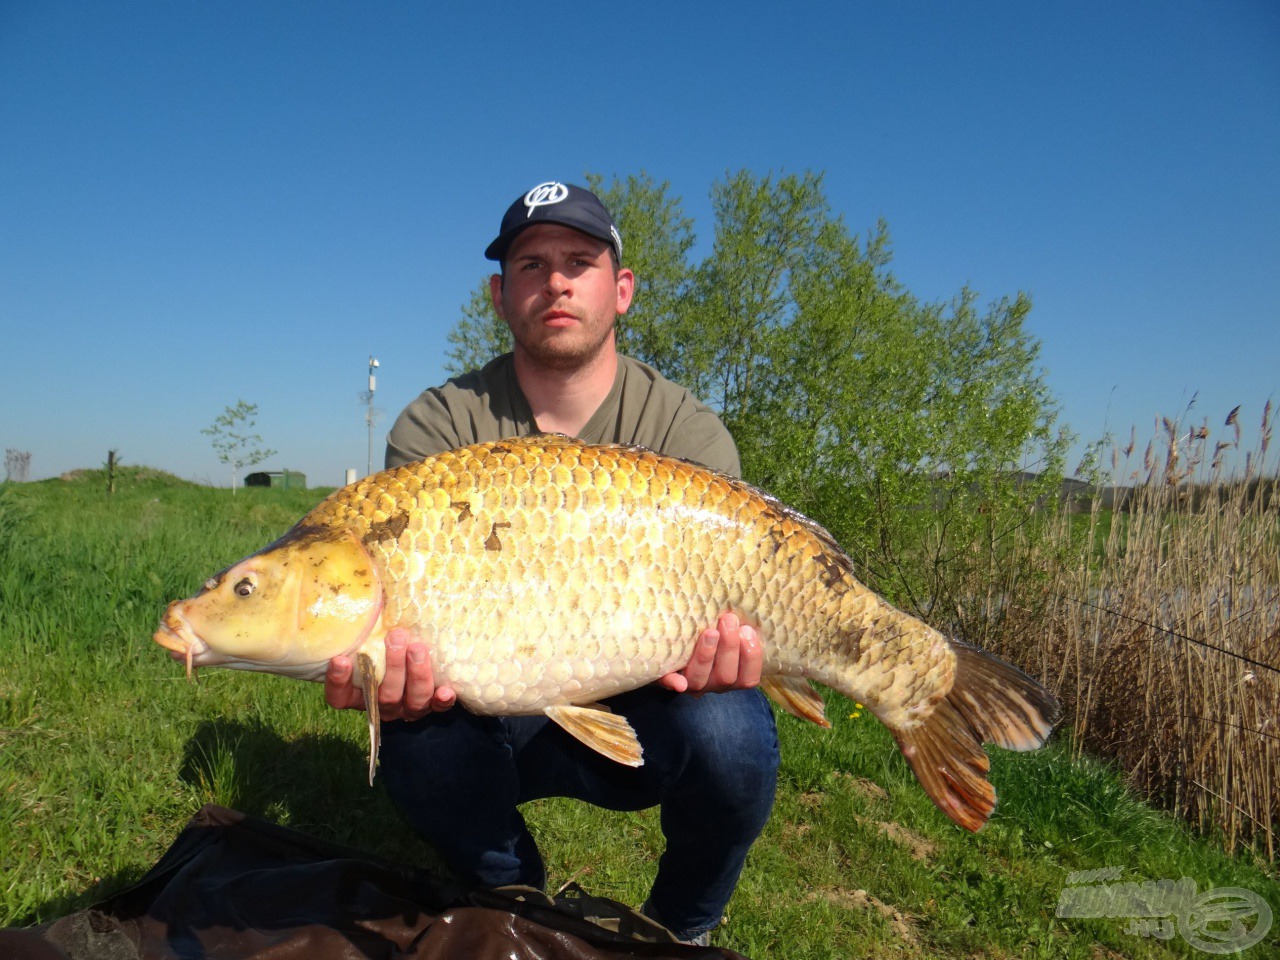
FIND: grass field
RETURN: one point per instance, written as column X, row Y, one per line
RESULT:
column 106, row 751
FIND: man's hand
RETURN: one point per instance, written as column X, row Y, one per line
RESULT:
column 729, row 656
column 408, row 690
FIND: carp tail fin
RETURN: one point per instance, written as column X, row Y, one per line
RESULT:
column 989, row 702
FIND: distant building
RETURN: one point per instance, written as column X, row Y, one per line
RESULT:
column 291, row 479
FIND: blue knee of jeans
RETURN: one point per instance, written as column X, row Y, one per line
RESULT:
column 711, row 762
column 730, row 732
column 717, row 807
column 453, row 778
column 733, row 751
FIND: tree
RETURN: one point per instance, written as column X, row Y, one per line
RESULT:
column 479, row 335
column 656, row 240
column 233, row 442
column 914, row 423
column 764, row 232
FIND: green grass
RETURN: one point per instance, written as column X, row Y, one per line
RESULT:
column 106, row 751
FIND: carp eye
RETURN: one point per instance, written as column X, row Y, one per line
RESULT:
column 244, row 587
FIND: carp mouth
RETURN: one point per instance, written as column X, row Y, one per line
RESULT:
column 176, row 636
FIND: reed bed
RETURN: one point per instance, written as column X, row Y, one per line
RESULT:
column 1155, row 615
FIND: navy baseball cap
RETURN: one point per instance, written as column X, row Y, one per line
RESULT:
column 555, row 202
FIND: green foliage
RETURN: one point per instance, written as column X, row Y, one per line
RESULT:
column 657, row 239
column 479, row 335
column 744, row 302
column 904, row 425
column 233, row 441
column 125, row 475
column 898, row 424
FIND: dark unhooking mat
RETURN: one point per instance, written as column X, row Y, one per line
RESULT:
column 235, row 887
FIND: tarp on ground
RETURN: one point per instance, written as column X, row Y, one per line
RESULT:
column 236, row 887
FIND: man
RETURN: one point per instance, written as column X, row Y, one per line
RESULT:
column 710, row 761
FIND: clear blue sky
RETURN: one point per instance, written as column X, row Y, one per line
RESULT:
column 201, row 202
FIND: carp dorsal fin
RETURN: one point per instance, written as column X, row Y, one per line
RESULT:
column 797, row 696
column 599, row 729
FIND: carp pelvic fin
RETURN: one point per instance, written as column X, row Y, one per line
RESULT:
column 990, row 702
column 369, row 686
column 601, row 730
column 797, row 696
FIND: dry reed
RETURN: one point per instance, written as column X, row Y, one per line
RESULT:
column 1158, row 625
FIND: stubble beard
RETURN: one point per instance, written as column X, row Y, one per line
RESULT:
column 563, row 354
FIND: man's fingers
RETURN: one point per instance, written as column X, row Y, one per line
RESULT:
column 391, row 690
column 698, row 669
column 750, row 657
column 724, row 672
column 337, row 683
column 676, row 682
column 728, row 656
column 419, row 682
column 407, row 691
column 443, row 699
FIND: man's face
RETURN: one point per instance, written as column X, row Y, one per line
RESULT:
column 560, row 295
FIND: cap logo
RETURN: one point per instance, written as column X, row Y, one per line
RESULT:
column 544, row 194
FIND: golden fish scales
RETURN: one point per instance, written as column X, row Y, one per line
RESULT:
column 545, row 574
column 550, row 571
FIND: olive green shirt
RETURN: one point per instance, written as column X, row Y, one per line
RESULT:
column 643, row 407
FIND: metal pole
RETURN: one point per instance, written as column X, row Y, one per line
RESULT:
column 373, row 385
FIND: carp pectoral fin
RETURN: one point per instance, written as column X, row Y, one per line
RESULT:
column 369, row 686
column 796, row 696
column 601, row 730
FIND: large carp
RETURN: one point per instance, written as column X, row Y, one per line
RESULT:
column 546, row 574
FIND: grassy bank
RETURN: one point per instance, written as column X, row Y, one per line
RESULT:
column 106, row 751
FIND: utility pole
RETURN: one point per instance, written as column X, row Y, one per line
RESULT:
column 370, row 414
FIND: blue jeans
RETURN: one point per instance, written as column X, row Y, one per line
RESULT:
column 710, row 762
